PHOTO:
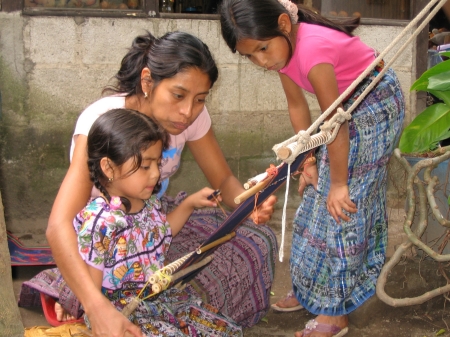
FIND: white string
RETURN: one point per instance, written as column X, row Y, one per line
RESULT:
column 283, row 218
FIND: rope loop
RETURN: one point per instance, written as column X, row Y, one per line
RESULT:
column 303, row 137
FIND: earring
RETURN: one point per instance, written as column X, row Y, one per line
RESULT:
column 145, row 95
column 110, row 179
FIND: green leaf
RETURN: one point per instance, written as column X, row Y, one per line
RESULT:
column 422, row 82
column 442, row 95
column 428, row 128
column 265, row 319
column 440, row 332
column 439, row 82
column 272, row 293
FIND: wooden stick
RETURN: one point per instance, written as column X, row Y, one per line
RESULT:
column 216, row 243
column 252, row 191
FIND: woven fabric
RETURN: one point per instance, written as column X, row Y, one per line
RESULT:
column 334, row 266
column 239, row 278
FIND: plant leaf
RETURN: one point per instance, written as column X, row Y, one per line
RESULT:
column 428, row 128
column 422, row 82
column 442, row 95
column 439, row 82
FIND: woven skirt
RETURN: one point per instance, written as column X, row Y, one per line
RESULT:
column 334, row 266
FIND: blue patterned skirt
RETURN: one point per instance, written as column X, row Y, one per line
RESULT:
column 334, row 266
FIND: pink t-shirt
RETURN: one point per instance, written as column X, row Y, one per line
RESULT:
column 317, row 44
column 171, row 156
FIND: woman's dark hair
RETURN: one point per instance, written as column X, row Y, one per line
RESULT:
column 165, row 57
column 121, row 134
column 258, row 20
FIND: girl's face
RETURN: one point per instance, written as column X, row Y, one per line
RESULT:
column 271, row 54
column 177, row 101
column 138, row 185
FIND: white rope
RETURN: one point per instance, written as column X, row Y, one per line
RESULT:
column 283, row 218
column 303, row 141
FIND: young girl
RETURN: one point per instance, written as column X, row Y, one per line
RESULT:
column 124, row 236
column 340, row 228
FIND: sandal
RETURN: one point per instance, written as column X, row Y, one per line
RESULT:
column 312, row 325
column 290, row 295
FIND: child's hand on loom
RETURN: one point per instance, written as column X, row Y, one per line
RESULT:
column 206, row 197
column 264, row 212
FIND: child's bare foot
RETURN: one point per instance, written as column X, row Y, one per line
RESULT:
column 325, row 326
column 61, row 314
column 289, row 303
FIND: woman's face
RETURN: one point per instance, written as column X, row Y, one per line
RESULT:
column 176, row 102
column 271, row 54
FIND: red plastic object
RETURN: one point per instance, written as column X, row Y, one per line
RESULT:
column 48, row 305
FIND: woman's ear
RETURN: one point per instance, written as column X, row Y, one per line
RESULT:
column 284, row 23
column 107, row 168
column 146, row 81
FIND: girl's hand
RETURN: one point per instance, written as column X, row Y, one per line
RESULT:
column 309, row 176
column 264, row 212
column 200, row 198
column 339, row 200
column 107, row 321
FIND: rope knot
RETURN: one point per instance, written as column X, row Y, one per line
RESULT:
column 343, row 115
column 303, row 137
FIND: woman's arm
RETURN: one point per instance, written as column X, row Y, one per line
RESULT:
column 323, row 80
column 209, row 157
column 71, row 198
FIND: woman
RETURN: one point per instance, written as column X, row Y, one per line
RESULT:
column 168, row 79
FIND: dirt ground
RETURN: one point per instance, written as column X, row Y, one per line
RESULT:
column 411, row 277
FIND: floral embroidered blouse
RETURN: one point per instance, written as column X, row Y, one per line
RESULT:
column 128, row 248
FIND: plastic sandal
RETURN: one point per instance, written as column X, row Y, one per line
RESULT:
column 312, row 325
column 289, row 295
column 48, row 305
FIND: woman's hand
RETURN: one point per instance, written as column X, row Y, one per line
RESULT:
column 339, row 200
column 309, row 176
column 264, row 212
column 107, row 321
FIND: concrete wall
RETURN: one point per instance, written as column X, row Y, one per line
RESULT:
column 53, row 67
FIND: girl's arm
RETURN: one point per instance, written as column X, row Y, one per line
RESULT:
column 71, row 198
column 178, row 217
column 323, row 80
column 209, row 157
column 301, row 120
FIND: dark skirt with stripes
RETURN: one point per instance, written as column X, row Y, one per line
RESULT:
column 335, row 266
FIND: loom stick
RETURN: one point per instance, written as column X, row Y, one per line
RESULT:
column 244, row 210
column 252, row 191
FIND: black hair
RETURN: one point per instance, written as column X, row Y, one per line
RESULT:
column 165, row 57
column 121, row 134
column 258, row 20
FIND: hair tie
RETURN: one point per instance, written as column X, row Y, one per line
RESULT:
column 291, row 8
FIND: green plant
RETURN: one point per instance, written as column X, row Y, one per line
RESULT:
column 432, row 125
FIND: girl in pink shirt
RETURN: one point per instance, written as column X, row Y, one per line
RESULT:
column 340, row 228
